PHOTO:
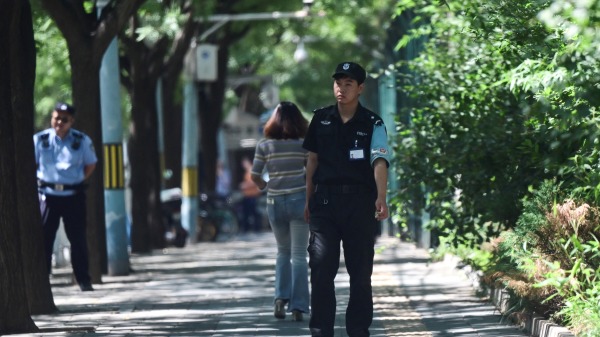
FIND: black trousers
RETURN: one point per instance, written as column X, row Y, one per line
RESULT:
column 347, row 218
column 72, row 211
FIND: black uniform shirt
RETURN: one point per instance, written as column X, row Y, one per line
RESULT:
column 346, row 151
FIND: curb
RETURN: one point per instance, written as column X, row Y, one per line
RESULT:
column 535, row 325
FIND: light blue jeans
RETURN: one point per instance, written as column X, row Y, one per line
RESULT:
column 286, row 217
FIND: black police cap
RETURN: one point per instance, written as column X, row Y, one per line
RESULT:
column 64, row 107
column 352, row 70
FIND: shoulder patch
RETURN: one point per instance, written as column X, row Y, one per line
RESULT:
column 372, row 116
column 322, row 109
column 375, row 119
column 45, row 137
column 78, row 138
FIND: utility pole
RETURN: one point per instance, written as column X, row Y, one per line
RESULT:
column 189, row 161
column 114, row 181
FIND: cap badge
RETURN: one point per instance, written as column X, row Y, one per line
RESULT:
column 346, row 66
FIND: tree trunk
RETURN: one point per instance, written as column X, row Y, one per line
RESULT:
column 15, row 62
column 172, row 122
column 209, row 112
column 86, row 100
column 37, row 284
column 148, row 229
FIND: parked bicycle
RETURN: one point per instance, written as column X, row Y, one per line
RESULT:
column 217, row 218
column 175, row 234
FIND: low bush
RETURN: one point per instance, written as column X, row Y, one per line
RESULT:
column 550, row 260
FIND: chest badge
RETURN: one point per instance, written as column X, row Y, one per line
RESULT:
column 356, row 154
column 325, row 122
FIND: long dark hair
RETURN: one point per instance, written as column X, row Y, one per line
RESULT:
column 286, row 122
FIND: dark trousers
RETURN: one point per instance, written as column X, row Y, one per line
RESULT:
column 72, row 211
column 347, row 218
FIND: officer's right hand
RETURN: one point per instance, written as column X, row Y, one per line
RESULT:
column 381, row 210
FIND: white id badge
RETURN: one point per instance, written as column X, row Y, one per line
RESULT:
column 357, row 154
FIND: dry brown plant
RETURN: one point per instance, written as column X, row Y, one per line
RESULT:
column 570, row 219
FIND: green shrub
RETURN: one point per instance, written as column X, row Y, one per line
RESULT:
column 551, row 259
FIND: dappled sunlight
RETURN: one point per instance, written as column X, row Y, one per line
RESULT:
column 226, row 289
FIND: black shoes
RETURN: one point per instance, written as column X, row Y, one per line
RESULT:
column 86, row 287
column 279, row 311
column 297, row 315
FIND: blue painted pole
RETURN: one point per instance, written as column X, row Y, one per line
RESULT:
column 388, row 110
column 161, row 139
column 114, row 185
column 189, row 161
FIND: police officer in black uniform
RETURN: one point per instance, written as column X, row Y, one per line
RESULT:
column 65, row 157
column 346, row 183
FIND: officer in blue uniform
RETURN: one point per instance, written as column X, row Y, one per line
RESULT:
column 65, row 158
column 346, row 185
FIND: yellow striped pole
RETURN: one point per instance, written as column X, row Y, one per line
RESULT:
column 189, row 184
column 113, row 166
column 189, row 161
column 114, row 179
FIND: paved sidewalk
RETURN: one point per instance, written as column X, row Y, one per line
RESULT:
column 226, row 289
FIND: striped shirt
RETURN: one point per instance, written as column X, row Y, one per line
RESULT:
column 284, row 161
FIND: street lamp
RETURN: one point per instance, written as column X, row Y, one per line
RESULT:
column 300, row 54
column 307, row 4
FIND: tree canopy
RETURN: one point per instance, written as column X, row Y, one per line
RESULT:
column 500, row 144
column 499, row 101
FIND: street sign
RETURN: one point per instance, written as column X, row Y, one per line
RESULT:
column 206, row 62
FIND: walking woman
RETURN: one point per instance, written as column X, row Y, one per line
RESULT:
column 281, row 155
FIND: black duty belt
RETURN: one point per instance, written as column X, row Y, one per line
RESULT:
column 60, row 187
column 342, row 189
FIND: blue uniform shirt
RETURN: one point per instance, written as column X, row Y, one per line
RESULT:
column 62, row 161
column 379, row 143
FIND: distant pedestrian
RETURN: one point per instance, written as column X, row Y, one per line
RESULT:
column 65, row 158
column 251, row 220
column 281, row 155
column 223, row 183
column 346, row 182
